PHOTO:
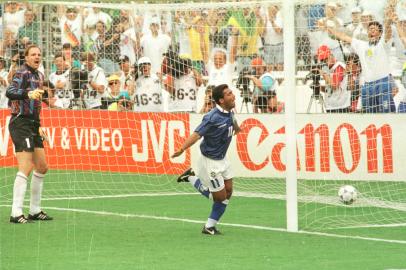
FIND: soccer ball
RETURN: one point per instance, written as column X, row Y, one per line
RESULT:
column 347, row 194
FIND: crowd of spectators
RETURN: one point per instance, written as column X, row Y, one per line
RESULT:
column 160, row 61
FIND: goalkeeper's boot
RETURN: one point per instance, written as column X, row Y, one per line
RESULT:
column 184, row 177
column 40, row 216
column 20, row 220
column 210, row 231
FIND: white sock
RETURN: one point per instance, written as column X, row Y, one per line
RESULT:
column 36, row 191
column 192, row 179
column 20, row 186
column 211, row 223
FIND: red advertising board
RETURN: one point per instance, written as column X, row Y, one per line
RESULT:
column 107, row 141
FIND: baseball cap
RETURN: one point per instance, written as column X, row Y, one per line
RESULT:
column 113, row 77
column 124, row 58
column 144, row 60
column 257, row 62
column 323, row 52
column 356, row 10
column 154, row 20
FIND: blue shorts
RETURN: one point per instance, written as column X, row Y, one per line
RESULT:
column 377, row 96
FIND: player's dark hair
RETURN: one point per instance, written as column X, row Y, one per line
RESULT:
column 377, row 24
column 218, row 92
column 29, row 47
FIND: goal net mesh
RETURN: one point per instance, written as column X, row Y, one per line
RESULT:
column 118, row 141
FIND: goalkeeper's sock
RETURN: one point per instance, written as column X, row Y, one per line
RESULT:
column 36, row 191
column 197, row 184
column 20, row 186
column 217, row 211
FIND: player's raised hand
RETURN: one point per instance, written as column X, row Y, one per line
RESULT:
column 36, row 94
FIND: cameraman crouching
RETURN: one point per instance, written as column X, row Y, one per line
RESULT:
column 336, row 99
column 264, row 86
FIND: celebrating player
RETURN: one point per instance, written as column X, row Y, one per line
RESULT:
column 214, row 174
column 25, row 96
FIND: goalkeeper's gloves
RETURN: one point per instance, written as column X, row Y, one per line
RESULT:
column 36, row 94
column 43, row 134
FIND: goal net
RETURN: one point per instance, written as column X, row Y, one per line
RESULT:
column 129, row 83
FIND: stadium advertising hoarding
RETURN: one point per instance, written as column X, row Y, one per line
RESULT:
column 328, row 146
column 107, row 141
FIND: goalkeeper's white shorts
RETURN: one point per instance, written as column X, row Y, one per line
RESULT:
column 212, row 173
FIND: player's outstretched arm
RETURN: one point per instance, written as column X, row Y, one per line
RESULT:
column 236, row 127
column 188, row 143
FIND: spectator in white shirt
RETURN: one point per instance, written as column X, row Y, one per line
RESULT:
column 13, row 17
column 273, row 36
column 147, row 95
column 154, row 45
column 97, row 82
column 378, row 89
column 70, row 23
column 63, row 94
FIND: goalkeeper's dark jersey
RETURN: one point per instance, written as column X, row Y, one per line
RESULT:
column 25, row 80
column 216, row 129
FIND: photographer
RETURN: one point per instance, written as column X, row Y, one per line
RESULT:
column 208, row 100
column 123, row 103
column 337, row 98
column 353, row 79
column 264, row 86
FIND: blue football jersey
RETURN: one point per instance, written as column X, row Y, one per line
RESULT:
column 216, row 129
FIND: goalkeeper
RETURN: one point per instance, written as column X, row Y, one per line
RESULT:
column 215, row 176
column 25, row 95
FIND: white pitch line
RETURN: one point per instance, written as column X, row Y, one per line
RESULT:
column 118, row 196
column 256, row 227
column 236, row 194
column 394, row 225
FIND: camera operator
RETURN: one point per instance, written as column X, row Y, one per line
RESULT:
column 208, row 100
column 264, row 86
column 78, row 82
column 337, row 98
